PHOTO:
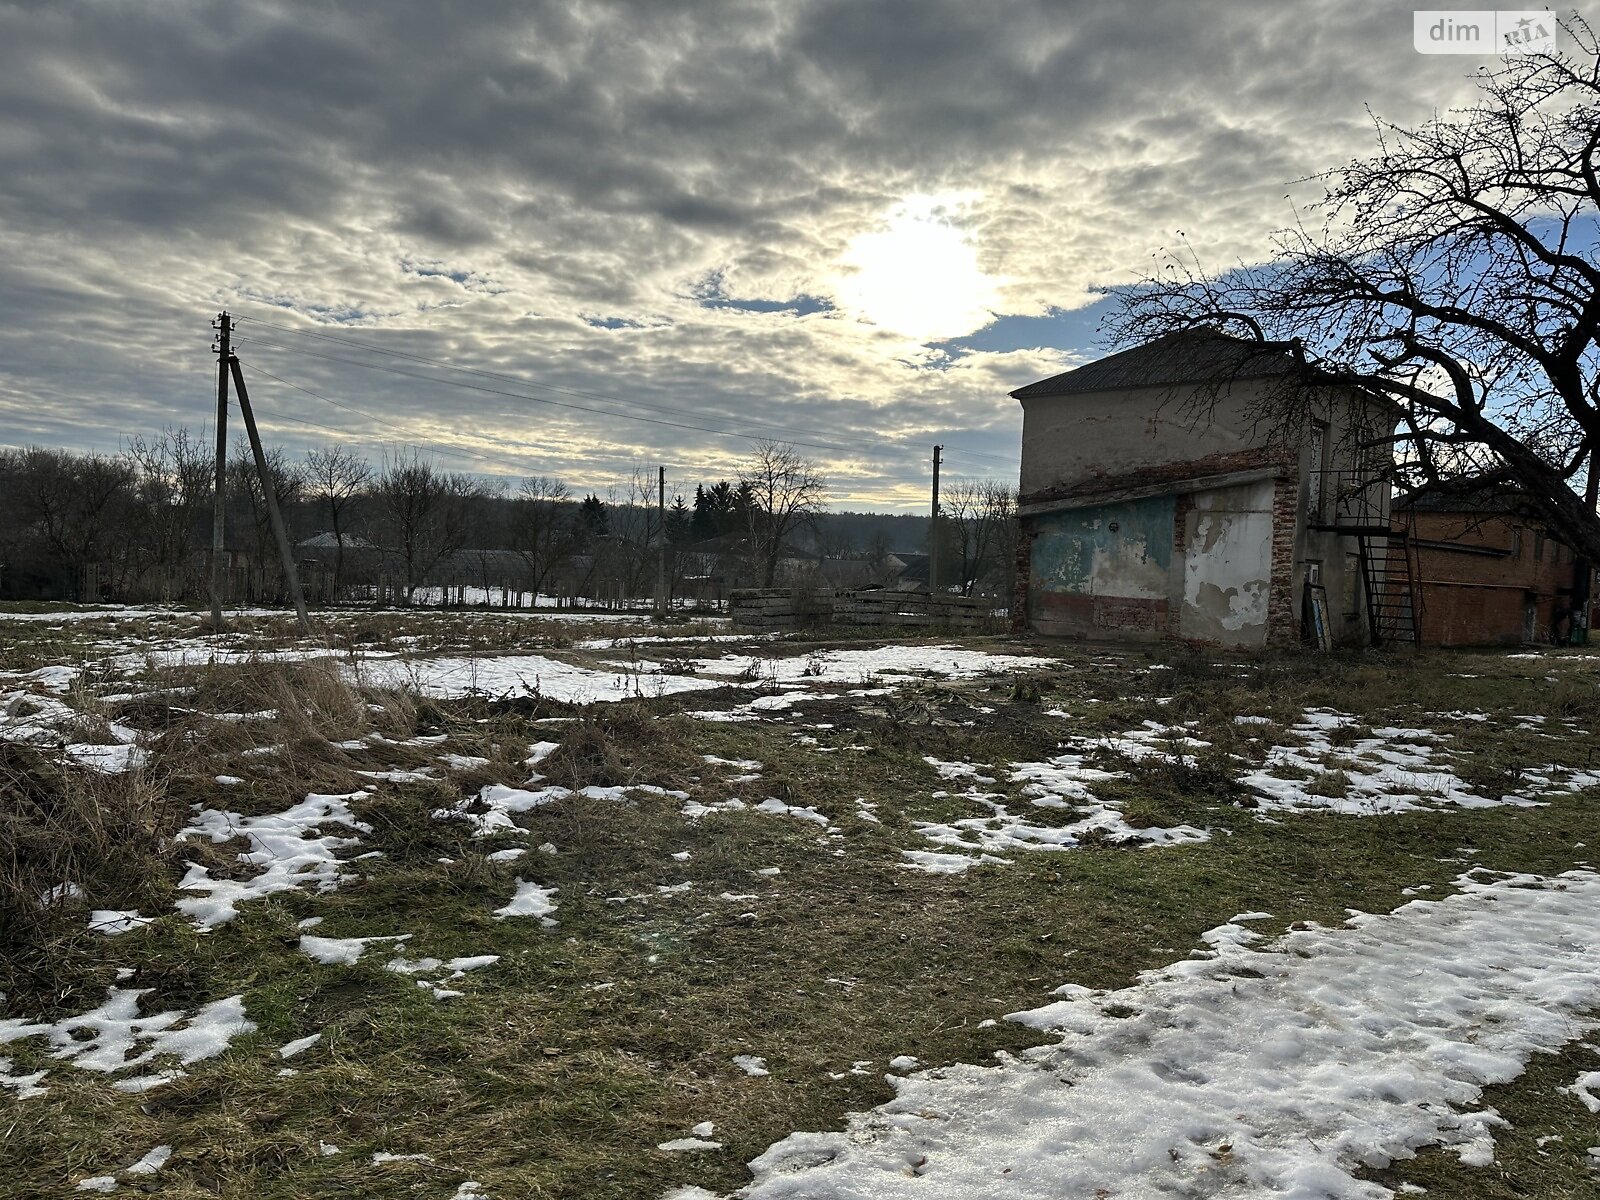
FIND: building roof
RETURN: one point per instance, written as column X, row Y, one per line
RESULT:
column 1468, row 498
column 1188, row 356
column 918, row 567
column 327, row 541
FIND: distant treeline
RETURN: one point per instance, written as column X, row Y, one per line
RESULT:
column 136, row 526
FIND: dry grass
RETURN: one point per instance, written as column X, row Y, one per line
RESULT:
column 107, row 835
column 567, row 1061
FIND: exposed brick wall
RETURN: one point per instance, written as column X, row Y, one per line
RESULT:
column 1073, row 614
column 1283, row 618
column 1108, row 487
column 1481, row 599
column 1022, row 578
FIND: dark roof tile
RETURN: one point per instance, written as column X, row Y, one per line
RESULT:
column 1188, row 356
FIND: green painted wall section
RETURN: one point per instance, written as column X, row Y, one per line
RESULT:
column 1113, row 550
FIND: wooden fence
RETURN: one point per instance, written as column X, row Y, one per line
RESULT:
column 788, row 608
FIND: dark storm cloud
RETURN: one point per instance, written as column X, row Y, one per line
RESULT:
column 541, row 188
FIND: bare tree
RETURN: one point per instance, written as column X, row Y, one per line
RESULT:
column 175, row 479
column 786, row 493
column 74, row 505
column 423, row 513
column 625, row 558
column 1455, row 273
column 334, row 478
column 979, row 514
column 543, row 528
column 288, row 484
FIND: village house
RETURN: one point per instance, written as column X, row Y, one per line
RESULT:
column 1486, row 573
column 1156, row 502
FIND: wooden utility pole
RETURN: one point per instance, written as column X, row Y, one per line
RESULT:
column 219, row 497
column 933, row 525
column 291, row 577
column 661, row 558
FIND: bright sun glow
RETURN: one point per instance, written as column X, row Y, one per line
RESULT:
column 919, row 276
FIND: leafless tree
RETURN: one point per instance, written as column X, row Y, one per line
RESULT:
column 423, row 514
column 1454, row 272
column 543, row 528
column 980, row 514
column 787, row 492
column 625, row 559
column 75, row 505
column 245, row 490
column 175, row 481
column 334, row 478
column 879, row 554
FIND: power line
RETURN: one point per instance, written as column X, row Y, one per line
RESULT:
column 779, row 429
column 476, row 387
column 437, row 447
column 564, row 390
column 441, row 448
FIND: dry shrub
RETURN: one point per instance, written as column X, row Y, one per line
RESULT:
column 1575, row 699
column 109, row 834
column 626, row 745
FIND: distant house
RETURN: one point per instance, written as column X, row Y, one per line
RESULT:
column 1153, row 505
column 911, row 572
column 733, row 560
column 1486, row 573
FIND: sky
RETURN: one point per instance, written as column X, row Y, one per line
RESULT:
column 576, row 238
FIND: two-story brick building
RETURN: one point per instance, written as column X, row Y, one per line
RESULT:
column 1156, row 502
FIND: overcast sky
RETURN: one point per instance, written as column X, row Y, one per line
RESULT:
column 853, row 224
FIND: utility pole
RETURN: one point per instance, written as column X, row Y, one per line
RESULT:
column 291, row 576
column 661, row 558
column 219, row 499
column 933, row 525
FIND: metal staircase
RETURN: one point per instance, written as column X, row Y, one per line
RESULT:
column 1390, row 587
column 1360, row 509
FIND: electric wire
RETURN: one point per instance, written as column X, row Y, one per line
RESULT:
column 564, row 390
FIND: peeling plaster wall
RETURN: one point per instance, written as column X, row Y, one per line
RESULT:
column 1067, row 440
column 1227, row 565
column 1196, row 566
column 1084, row 456
column 1104, row 571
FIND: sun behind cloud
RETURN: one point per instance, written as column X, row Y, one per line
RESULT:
column 918, row 275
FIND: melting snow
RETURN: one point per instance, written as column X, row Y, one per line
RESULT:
column 1276, row 1068
column 1395, row 770
column 862, row 666
column 115, row 921
column 1060, row 783
column 531, row 900
column 283, row 844
column 290, row 1049
column 499, row 803
column 341, row 951
column 108, row 1038
column 524, row 674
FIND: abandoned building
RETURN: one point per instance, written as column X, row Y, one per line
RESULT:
column 1486, row 573
column 1157, row 503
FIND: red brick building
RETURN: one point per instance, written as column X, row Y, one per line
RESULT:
column 1485, row 575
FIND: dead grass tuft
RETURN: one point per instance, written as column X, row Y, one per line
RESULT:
column 625, row 746
column 108, row 835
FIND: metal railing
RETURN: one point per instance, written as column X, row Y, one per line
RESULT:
column 1350, row 498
